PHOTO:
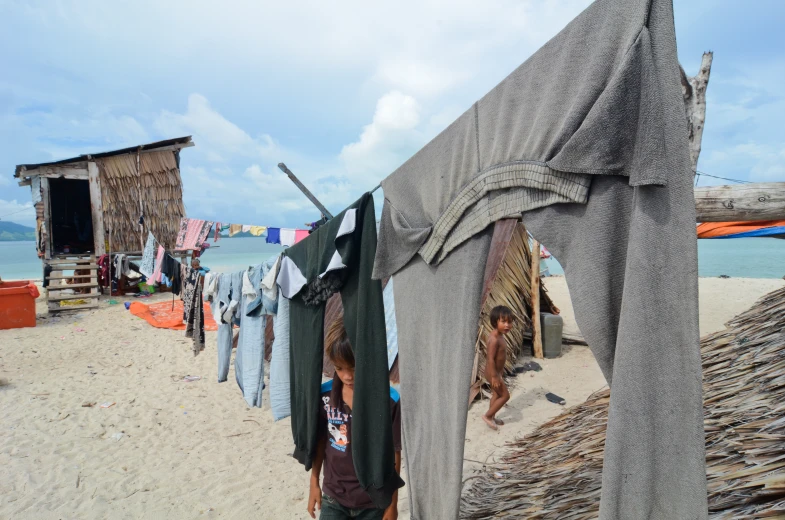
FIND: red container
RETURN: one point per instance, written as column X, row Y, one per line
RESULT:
column 17, row 304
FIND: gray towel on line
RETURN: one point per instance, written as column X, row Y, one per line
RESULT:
column 597, row 108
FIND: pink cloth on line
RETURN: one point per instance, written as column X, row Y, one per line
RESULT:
column 300, row 234
column 159, row 260
column 193, row 233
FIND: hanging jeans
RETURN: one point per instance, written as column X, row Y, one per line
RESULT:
column 229, row 289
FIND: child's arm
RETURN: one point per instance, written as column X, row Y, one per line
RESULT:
column 391, row 513
column 491, row 374
column 315, row 494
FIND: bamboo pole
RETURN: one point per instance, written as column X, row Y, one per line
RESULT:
column 535, row 295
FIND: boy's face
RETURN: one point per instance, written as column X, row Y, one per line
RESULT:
column 504, row 324
column 345, row 374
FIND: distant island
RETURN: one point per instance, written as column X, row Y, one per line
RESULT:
column 13, row 232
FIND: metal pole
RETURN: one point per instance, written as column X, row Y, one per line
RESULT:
column 305, row 190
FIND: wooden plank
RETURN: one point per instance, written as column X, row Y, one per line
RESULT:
column 62, row 261
column 742, row 202
column 74, row 267
column 26, row 182
column 96, row 209
column 62, row 297
column 71, row 286
column 68, row 276
column 47, row 217
column 535, row 288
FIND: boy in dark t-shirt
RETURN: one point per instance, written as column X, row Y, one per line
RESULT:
column 341, row 496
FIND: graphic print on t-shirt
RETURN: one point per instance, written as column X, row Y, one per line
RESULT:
column 337, row 426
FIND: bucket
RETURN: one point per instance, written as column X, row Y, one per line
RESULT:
column 17, row 304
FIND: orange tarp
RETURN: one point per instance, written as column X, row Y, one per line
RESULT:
column 721, row 229
column 162, row 316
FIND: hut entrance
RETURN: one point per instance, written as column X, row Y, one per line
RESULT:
column 71, row 219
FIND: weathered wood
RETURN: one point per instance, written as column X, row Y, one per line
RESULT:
column 96, row 209
column 535, row 296
column 694, row 91
column 47, row 217
column 72, row 286
column 68, row 276
column 74, row 267
column 62, row 297
column 62, row 261
column 26, row 182
column 305, row 190
column 742, row 202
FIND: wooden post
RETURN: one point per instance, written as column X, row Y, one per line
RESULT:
column 97, row 209
column 47, row 217
column 535, row 295
column 742, row 202
column 694, row 91
column 305, row 190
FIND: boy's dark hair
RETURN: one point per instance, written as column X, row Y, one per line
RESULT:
column 338, row 349
column 500, row 311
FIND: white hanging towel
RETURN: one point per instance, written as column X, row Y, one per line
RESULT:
column 287, row 237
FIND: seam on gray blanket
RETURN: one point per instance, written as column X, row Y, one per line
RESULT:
column 537, row 175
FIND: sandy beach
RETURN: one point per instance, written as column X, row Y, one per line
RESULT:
column 171, row 449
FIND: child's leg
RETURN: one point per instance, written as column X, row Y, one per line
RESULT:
column 497, row 403
column 492, row 409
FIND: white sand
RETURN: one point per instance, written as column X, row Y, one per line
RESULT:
column 194, row 450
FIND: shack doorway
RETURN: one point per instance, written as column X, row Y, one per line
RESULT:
column 71, row 221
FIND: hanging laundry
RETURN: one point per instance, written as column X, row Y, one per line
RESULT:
column 257, row 231
column 190, row 281
column 234, row 229
column 173, row 271
column 255, row 310
column 585, row 139
column 340, row 258
column 273, row 235
column 193, row 233
column 147, row 265
column 121, row 266
column 229, row 292
column 300, row 234
column 194, row 317
column 280, row 389
column 287, row 237
column 159, row 260
column 269, row 288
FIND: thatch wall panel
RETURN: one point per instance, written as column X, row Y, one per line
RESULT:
column 159, row 187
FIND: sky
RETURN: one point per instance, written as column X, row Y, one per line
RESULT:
column 342, row 92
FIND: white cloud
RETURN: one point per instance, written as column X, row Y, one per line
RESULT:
column 747, row 161
column 19, row 212
column 387, row 140
column 419, row 77
column 206, row 124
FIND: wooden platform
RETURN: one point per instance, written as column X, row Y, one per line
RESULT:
column 60, row 282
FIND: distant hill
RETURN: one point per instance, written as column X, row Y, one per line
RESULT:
column 11, row 231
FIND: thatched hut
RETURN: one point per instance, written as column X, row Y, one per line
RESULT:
column 93, row 204
column 556, row 472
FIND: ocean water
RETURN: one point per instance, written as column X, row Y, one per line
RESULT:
column 738, row 258
column 734, row 257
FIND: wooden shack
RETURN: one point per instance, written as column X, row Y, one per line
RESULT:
column 95, row 204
